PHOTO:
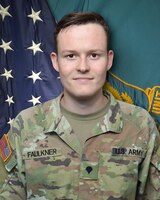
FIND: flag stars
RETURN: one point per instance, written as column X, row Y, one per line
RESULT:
column 35, row 47
column 35, row 100
column 35, row 76
column 9, row 100
column 35, row 16
column 10, row 122
column 7, row 74
column 6, row 46
column 4, row 12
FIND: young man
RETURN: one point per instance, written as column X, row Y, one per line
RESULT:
column 84, row 144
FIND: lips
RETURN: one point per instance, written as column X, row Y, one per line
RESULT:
column 82, row 78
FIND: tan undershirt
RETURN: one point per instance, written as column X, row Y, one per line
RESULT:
column 83, row 124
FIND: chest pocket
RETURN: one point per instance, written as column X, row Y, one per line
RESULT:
column 40, row 163
column 118, row 171
column 43, row 161
column 50, row 173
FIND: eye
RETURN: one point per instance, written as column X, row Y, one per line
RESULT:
column 71, row 56
column 94, row 55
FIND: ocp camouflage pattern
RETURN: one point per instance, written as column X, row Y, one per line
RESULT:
column 121, row 161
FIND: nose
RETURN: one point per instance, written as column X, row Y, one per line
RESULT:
column 83, row 65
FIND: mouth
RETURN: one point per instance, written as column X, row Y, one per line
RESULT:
column 83, row 79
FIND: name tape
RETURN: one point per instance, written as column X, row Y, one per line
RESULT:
column 39, row 153
column 128, row 151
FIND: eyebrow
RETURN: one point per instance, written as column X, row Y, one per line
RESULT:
column 68, row 51
column 89, row 51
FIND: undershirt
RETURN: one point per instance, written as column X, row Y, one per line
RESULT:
column 83, row 124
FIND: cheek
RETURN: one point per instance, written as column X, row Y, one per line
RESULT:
column 100, row 70
column 66, row 68
column 99, row 66
column 65, row 75
column 103, row 78
column 101, row 75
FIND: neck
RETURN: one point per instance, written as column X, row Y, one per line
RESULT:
column 84, row 106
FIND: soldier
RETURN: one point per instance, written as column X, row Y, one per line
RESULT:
column 84, row 144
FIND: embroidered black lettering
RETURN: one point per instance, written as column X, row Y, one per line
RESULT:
column 33, row 154
column 46, row 152
column 134, row 152
column 130, row 152
column 29, row 154
column 54, row 151
column 119, row 151
column 114, row 151
column 37, row 153
column 123, row 151
column 138, row 152
column 42, row 153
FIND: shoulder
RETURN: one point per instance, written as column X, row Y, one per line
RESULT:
column 27, row 124
column 39, row 109
column 132, row 113
column 142, row 120
column 137, row 114
column 35, row 116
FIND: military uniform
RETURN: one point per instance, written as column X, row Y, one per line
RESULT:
column 120, row 159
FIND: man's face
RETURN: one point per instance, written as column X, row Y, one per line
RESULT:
column 82, row 60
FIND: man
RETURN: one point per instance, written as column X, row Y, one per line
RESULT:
column 84, row 144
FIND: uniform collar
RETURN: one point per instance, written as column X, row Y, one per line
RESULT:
column 112, row 121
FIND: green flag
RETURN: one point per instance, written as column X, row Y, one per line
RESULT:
column 135, row 32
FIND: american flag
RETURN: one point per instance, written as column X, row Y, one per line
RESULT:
column 27, row 77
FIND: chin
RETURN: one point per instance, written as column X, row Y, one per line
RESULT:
column 84, row 96
column 83, row 93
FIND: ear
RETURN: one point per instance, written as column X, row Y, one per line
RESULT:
column 110, row 55
column 54, row 60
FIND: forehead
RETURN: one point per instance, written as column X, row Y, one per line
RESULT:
column 84, row 33
column 88, row 26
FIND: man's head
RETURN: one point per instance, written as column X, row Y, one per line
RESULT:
column 82, row 58
column 81, row 18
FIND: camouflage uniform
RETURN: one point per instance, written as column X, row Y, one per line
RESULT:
column 120, row 161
